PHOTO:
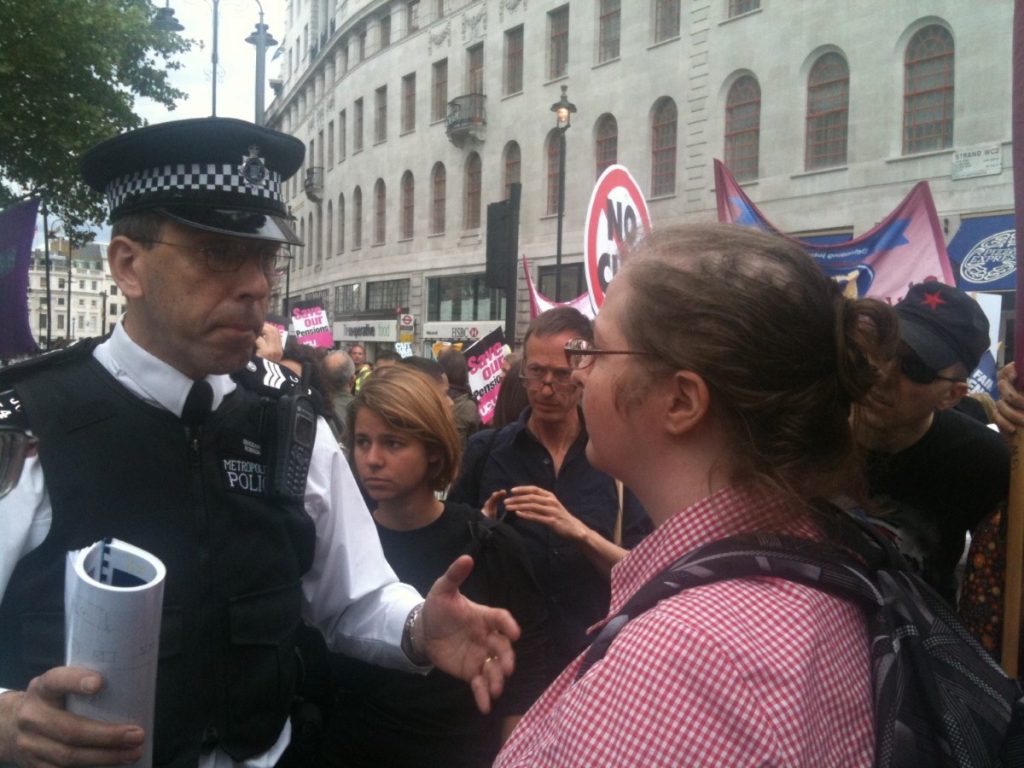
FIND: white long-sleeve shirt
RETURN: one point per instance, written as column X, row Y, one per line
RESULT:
column 351, row 593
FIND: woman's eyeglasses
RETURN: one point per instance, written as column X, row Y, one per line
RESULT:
column 580, row 353
column 229, row 257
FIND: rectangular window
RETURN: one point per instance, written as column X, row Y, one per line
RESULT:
column 357, row 127
column 113, row 290
column 60, row 322
column 439, row 91
column 573, row 282
column 346, row 299
column 666, row 20
column 609, row 30
column 387, row 295
column 514, row 61
column 113, row 310
column 361, row 43
column 330, row 144
column 558, row 42
column 409, row 103
column 94, row 285
column 320, row 149
column 459, row 298
column 81, row 285
column 380, row 123
column 42, row 321
column 475, row 69
column 412, row 16
column 341, row 136
column 738, row 7
column 385, row 31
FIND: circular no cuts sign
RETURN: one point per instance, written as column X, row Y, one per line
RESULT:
column 617, row 214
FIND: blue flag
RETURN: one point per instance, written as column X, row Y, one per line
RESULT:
column 17, row 228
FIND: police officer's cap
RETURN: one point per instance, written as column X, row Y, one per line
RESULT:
column 214, row 173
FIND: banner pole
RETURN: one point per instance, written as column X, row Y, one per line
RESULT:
column 1015, row 507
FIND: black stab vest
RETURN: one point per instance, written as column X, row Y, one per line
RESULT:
column 115, row 466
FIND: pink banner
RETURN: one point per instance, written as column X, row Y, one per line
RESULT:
column 906, row 248
column 310, row 324
column 484, row 358
column 541, row 303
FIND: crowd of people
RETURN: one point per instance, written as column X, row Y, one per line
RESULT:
column 726, row 387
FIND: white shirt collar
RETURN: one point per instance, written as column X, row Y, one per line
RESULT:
column 149, row 378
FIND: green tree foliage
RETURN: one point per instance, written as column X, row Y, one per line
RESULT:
column 70, row 71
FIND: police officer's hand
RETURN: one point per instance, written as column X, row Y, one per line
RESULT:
column 36, row 730
column 465, row 639
column 1010, row 406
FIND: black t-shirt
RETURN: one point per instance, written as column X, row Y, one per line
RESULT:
column 390, row 718
column 931, row 494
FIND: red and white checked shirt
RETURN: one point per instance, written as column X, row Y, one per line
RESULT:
column 746, row 672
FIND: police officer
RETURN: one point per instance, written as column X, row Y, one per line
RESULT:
column 147, row 438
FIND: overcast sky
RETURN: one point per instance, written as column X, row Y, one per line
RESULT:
column 236, row 86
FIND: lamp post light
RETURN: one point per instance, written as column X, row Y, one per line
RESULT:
column 165, row 20
column 262, row 39
column 563, row 109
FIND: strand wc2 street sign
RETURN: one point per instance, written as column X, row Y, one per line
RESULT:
column 617, row 214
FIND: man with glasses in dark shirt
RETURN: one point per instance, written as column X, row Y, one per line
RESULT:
column 933, row 473
column 567, row 511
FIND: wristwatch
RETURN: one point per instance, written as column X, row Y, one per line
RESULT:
column 416, row 655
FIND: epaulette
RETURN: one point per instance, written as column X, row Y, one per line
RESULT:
column 11, row 412
column 266, row 378
column 56, row 357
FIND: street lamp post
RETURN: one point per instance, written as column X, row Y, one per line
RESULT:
column 46, row 256
column 563, row 109
column 262, row 39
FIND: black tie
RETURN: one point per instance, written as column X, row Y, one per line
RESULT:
column 197, row 404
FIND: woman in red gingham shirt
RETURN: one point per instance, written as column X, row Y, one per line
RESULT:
column 718, row 388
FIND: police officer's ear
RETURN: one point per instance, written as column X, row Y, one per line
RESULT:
column 123, row 258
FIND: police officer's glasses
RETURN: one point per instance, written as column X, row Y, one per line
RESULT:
column 229, row 257
column 580, row 353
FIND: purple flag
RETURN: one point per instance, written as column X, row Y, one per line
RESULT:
column 17, row 228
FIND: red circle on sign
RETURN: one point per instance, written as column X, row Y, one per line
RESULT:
column 614, row 177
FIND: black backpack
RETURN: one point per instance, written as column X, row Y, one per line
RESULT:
column 939, row 698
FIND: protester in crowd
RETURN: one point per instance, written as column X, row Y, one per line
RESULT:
column 567, row 511
column 464, row 408
column 432, row 370
column 161, row 434
column 405, row 449
column 933, row 473
column 386, row 357
column 736, row 360
column 338, row 371
column 512, row 397
column 363, row 366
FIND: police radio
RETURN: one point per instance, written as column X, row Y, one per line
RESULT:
column 296, row 433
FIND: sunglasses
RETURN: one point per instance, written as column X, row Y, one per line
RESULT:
column 915, row 369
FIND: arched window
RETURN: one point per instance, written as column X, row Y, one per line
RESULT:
column 928, row 91
column 513, row 166
column 310, row 246
column 329, row 244
column 319, row 237
column 357, row 218
column 341, row 223
column 663, row 148
column 553, row 149
column 471, row 210
column 438, row 190
column 743, row 128
column 828, row 112
column 408, row 205
column 606, row 142
column 380, row 206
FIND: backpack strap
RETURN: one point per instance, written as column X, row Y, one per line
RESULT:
column 742, row 557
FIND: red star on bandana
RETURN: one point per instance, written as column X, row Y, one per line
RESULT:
column 933, row 300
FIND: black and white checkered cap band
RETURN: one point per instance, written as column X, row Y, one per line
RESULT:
column 206, row 177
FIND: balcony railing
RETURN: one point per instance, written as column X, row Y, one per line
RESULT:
column 467, row 115
column 314, row 184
